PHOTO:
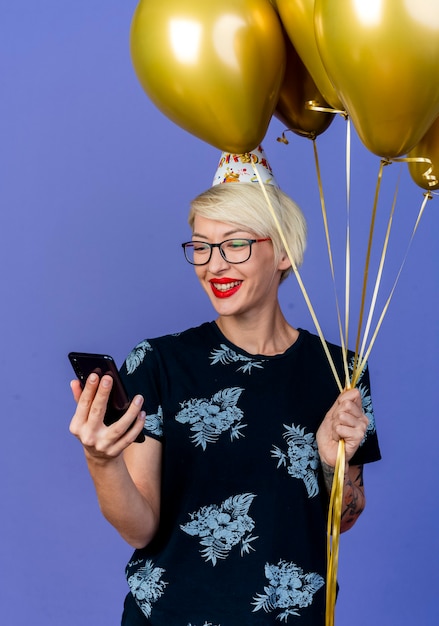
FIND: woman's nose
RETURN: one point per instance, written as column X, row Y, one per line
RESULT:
column 217, row 261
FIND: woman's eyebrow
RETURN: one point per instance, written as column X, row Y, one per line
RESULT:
column 227, row 234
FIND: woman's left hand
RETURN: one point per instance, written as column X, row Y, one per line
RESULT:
column 344, row 420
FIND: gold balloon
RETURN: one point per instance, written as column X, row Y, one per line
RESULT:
column 297, row 94
column 214, row 67
column 383, row 58
column 297, row 16
column 426, row 175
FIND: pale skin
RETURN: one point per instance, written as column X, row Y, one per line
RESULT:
column 126, row 475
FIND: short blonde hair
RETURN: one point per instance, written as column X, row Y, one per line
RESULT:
column 245, row 205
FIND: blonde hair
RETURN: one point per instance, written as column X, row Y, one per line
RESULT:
column 245, row 205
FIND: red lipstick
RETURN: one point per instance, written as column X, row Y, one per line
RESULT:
column 224, row 287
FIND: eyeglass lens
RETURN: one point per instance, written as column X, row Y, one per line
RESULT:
column 232, row 250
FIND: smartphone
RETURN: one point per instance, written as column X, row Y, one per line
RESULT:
column 86, row 363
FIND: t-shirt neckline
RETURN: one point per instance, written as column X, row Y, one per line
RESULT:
column 292, row 348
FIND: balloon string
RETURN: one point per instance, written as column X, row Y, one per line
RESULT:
column 330, row 255
column 299, row 280
column 348, row 247
column 361, row 356
column 336, row 498
column 313, row 106
column 378, row 278
column 303, row 133
column 362, row 364
column 310, row 134
column 334, row 524
column 367, row 262
column 430, row 178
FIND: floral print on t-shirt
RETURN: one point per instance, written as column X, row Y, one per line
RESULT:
column 208, row 418
column 220, row 528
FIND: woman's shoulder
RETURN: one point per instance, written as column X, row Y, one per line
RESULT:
column 189, row 337
column 321, row 352
column 315, row 342
column 316, row 350
column 152, row 350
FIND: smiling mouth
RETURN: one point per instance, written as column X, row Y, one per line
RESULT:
column 225, row 289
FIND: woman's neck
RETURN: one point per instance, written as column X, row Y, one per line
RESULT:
column 259, row 336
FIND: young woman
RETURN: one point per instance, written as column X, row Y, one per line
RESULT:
column 226, row 500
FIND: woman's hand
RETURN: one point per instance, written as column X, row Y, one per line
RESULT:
column 103, row 442
column 344, row 420
column 128, row 491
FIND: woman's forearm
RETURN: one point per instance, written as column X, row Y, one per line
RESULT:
column 132, row 514
column 354, row 499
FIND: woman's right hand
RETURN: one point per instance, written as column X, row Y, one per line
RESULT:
column 127, row 485
column 103, row 442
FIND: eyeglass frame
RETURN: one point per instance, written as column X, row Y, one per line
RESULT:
column 218, row 245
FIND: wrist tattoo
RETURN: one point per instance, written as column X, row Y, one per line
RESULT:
column 353, row 494
column 353, row 498
column 328, row 475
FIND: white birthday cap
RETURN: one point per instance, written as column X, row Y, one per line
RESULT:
column 238, row 168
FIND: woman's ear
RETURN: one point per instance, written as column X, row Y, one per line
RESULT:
column 284, row 262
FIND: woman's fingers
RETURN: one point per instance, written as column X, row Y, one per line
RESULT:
column 76, row 388
column 95, row 395
column 119, row 428
column 91, row 404
column 88, row 421
column 345, row 420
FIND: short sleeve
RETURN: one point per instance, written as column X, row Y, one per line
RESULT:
column 140, row 375
column 369, row 450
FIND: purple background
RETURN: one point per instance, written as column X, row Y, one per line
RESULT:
column 94, row 192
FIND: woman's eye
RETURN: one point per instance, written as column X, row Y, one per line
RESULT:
column 236, row 244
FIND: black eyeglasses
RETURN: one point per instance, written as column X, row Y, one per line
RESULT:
column 232, row 250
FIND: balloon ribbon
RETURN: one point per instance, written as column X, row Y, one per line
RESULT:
column 361, row 355
column 333, row 535
column 336, row 496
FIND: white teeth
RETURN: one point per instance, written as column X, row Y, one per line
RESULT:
column 225, row 286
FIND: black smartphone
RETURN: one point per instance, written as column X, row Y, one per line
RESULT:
column 86, row 363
